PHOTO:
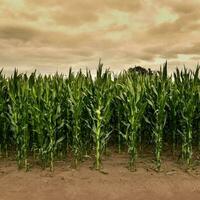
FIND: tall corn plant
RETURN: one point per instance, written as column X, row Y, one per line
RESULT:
column 196, row 124
column 4, row 125
column 19, row 116
column 87, row 134
column 118, row 113
column 99, row 111
column 76, row 103
column 53, row 119
column 134, row 106
column 38, row 121
column 174, row 115
column 188, row 101
column 66, row 112
column 157, row 99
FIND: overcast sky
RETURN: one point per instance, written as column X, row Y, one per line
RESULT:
column 51, row 35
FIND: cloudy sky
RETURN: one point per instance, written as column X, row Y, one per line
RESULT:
column 51, row 35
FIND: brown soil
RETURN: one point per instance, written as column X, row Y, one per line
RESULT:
column 114, row 182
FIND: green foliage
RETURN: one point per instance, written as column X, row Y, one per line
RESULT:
column 49, row 118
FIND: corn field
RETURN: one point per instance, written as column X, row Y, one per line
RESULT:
column 50, row 118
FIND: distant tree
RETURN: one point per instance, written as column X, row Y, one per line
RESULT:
column 140, row 70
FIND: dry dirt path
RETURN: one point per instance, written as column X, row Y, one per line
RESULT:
column 118, row 183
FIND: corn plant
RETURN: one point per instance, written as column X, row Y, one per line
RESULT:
column 4, row 127
column 18, row 115
column 188, row 99
column 174, row 110
column 99, row 111
column 76, row 96
column 157, row 99
column 134, row 106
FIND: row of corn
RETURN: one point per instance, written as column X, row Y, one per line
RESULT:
column 48, row 118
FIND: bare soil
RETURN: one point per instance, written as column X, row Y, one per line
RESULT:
column 114, row 182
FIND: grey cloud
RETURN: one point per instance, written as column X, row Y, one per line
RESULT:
column 22, row 33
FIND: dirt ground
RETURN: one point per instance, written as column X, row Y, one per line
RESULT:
column 115, row 182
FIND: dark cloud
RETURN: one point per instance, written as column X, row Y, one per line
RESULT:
column 34, row 37
column 23, row 33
